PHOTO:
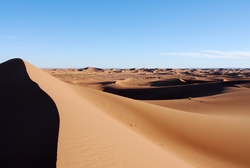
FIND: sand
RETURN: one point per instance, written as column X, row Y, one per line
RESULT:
column 125, row 117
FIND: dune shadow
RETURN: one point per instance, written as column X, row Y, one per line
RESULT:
column 106, row 83
column 29, row 120
column 174, row 89
column 175, row 81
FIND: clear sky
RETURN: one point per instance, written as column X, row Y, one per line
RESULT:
column 126, row 33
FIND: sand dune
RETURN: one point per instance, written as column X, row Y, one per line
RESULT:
column 206, row 126
column 202, row 140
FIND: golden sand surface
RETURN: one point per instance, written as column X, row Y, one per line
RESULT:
column 127, row 117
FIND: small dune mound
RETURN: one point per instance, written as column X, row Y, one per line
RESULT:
column 90, row 69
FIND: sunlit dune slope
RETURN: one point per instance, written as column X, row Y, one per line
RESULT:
column 204, row 140
column 88, row 137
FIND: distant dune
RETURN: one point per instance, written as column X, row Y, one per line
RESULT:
column 94, row 117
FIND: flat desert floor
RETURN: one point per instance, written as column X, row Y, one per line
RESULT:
column 124, row 117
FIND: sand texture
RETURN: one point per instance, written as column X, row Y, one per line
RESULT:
column 92, row 117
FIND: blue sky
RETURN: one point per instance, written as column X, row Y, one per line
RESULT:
column 126, row 33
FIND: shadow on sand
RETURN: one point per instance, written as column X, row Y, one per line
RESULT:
column 29, row 120
column 174, row 89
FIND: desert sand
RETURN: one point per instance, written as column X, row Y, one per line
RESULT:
column 92, row 117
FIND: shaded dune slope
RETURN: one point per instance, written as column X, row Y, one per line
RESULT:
column 172, row 82
column 29, row 120
column 174, row 89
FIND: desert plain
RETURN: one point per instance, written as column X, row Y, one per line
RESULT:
column 138, row 117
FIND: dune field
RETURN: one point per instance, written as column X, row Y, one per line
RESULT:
column 138, row 118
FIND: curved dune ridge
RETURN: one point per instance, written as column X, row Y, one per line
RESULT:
column 99, row 129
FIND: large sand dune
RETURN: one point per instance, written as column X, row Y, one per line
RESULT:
column 168, row 118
